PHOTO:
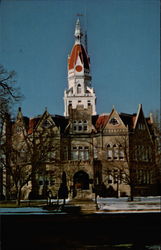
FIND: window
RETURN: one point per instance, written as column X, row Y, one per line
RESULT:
column 141, row 126
column 113, row 121
column 142, row 153
column 109, row 154
column 122, row 155
column 78, row 89
column 110, row 179
column 89, row 103
column 80, row 153
column 95, row 153
column 85, row 128
column 116, row 153
column 80, row 128
column 40, row 183
column 80, row 125
column 86, row 153
column 74, row 154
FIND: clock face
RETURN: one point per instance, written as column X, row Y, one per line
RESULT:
column 78, row 68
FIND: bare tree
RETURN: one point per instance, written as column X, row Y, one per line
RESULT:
column 9, row 93
column 43, row 150
column 26, row 156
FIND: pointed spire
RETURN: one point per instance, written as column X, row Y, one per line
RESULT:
column 78, row 34
column 19, row 114
column 86, row 41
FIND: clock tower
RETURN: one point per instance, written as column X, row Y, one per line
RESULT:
column 79, row 90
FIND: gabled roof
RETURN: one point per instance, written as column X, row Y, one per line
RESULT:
column 32, row 124
column 128, row 119
column 60, row 121
column 101, row 121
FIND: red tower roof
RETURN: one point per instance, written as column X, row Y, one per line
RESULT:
column 78, row 50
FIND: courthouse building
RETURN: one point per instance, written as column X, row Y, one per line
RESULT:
column 110, row 154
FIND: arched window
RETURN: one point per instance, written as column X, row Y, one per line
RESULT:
column 109, row 152
column 89, row 103
column 79, row 89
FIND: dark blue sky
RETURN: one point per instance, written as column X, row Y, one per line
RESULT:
column 36, row 37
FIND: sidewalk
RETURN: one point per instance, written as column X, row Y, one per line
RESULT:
column 123, row 205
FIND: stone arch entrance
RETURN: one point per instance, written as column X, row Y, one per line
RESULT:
column 81, row 180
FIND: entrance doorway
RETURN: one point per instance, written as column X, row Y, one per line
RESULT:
column 81, row 180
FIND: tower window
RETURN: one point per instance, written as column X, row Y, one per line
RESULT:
column 79, row 89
